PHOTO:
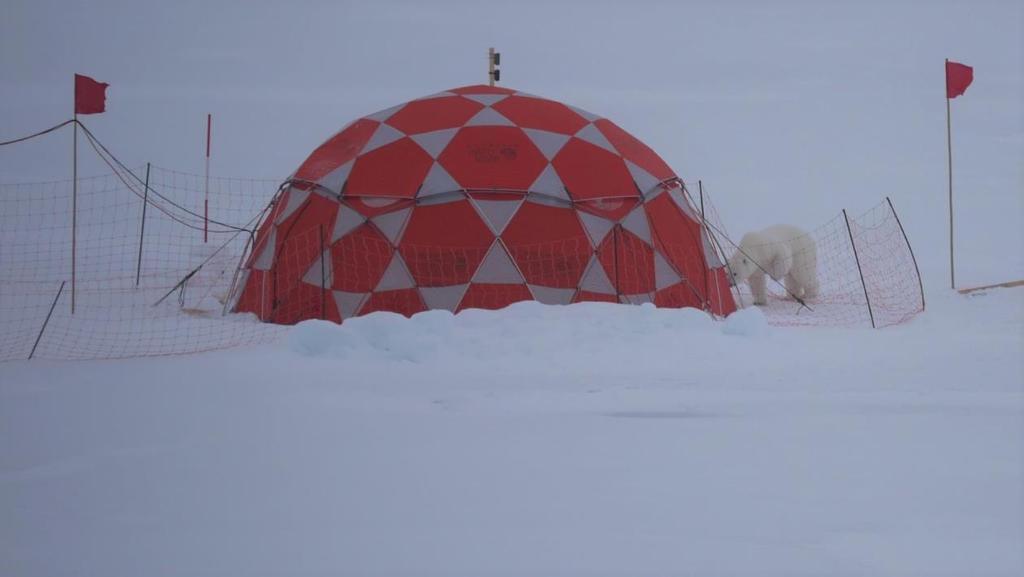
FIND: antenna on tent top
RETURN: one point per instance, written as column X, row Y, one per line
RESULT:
column 493, row 61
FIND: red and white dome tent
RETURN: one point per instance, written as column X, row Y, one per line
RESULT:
column 479, row 197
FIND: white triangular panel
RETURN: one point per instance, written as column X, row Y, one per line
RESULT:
column 296, row 198
column 266, row 257
column 552, row 296
column 497, row 213
column 486, row 99
column 317, row 275
column 528, row 95
column 591, row 134
column 392, row 224
column 549, row 143
column 434, row 142
column 348, row 303
column 438, row 181
column 596, row 226
column 636, row 223
column 710, row 254
column 644, row 180
column 679, row 198
column 590, row 116
column 595, row 280
column 345, row 222
column 396, row 276
column 664, row 275
column 443, row 297
column 497, row 267
column 489, row 117
column 335, row 179
column 550, row 184
column 384, row 135
column 385, row 114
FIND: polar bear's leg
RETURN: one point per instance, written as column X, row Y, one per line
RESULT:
column 811, row 286
column 793, row 286
column 758, row 288
column 807, row 278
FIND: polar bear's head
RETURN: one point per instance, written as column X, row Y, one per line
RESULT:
column 740, row 268
column 742, row 263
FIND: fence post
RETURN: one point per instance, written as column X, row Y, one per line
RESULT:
column 142, row 230
column 912, row 257
column 859, row 270
column 39, row 337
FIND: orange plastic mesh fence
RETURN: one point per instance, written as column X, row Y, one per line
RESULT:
column 890, row 292
column 172, row 299
column 116, row 293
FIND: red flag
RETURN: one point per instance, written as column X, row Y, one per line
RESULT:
column 90, row 96
column 958, row 78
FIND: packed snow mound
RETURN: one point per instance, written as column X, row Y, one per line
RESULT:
column 748, row 322
column 525, row 329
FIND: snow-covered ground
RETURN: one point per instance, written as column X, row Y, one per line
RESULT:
column 583, row 440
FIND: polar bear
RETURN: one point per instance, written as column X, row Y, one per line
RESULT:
column 783, row 252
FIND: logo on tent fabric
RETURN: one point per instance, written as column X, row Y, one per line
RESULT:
column 494, row 152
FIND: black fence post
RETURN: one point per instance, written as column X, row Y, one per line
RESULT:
column 39, row 337
column 859, row 270
column 912, row 257
column 142, row 230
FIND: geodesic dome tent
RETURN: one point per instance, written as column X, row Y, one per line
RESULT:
column 479, row 197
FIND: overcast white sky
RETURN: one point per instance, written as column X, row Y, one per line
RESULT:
column 789, row 111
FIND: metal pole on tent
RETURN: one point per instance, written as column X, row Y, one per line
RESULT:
column 142, row 230
column 206, row 187
column 74, row 206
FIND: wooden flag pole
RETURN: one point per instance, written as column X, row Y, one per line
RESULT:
column 949, row 165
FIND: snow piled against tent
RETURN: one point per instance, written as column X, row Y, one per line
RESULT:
column 526, row 329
